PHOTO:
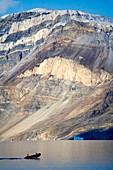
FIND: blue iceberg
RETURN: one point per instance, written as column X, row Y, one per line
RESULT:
column 76, row 138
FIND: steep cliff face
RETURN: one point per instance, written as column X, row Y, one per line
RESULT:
column 56, row 74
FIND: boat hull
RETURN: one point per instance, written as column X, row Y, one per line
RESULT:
column 36, row 156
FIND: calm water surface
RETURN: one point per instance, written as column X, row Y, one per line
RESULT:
column 62, row 155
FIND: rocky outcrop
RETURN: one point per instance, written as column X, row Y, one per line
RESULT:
column 56, row 74
column 68, row 70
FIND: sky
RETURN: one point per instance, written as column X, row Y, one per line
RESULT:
column 101, row 7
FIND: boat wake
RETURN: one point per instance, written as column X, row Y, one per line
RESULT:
column 10, row 158
column 35, row 156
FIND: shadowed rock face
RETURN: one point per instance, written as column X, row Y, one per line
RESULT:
column 56, row 75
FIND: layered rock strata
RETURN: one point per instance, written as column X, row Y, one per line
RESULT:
column 56, row 75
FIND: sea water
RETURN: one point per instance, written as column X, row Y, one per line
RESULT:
column 57, row 155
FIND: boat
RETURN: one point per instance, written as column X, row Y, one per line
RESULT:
column 35, row 156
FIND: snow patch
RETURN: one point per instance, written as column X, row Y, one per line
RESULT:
column 4, row 16
column 40, row 10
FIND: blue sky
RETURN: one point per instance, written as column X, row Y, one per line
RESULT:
column 101, row 7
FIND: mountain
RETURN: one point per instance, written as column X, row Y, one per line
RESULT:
column 56, row 75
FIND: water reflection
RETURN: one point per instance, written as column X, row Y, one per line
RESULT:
column 59, row 153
